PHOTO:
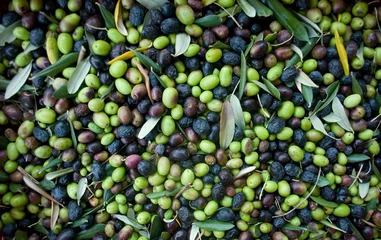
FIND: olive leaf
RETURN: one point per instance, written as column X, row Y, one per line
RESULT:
column 214, row 225
column 308, row 21
column 226, row 125
column 331, row 94
column 39, row 228
column 237, row 111
column 355, row 85
column 322, row 202
column 332, row 118
column 54, row 215
column 195, row 230
column 305, row 79
column 58, row 173
column 90, row 41
column 4, row 176
column 119, row 19
column 372, row 204
column 30, row 183
column 79, row 222
column 262, row 10
column 297, row 50
column 107, row 16
column 150, row 4
column 307, row 94
column 243, row 76
column 247, row 8
column 129, row 221
column 355, row 231
column 209, row 21
column 357, row 157
column 342, row 53
column 376, row 171
column 157, row 195
column 378, row 97
column 377, row 18
column 18, row 81
column 272, row 89
column 363, row 189
column 108, row 91
column 220, row 45
column 147, row 127
column 331, row 225
column 288, row 20
column 72, row 133
column 51, row 19
column 360, row 52
column 318, row 124
column 156, row 228
column 31, row 47
column 4, row 84
column 338, row 110
column 7, row 34
column 306, row 49
column 148, row 62
column 244, row 171
column 82, row 184
column 290, row 227
column 76, row 79
column 47, row 185
column 322, row 182
column 62, row 92
column 64, row 62
column 182, row 43
column 89, row 233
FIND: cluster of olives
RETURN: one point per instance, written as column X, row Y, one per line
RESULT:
column 136, row 152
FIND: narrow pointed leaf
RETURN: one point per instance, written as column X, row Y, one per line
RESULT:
column 273, row 90
column 226, row 125
column 372, row 204
column 244, row 171
column 306, row 49
column 261, row 9
column 107, row 16
column 305, row 79
column 360, row 52
column 118, row 19
column 148, row 62
column 209, row 21
column 58, row 173
column 247, row 50
column 339, row 111
column 322, row 182
column 376, row 171
column 309, row 22
column 150, row 4
column 214, row 225
column 128, row 55
column 331, row 94
column 6, row 35
column 64, row 62
column 262, row 86
column 237, row 112
column 307, row 94
column 157, row 195
column 148, row 126
column 90, row 41
column 51, row 163
column 377, row 19
column 288, row 20
column 51, row 19
column 318, row 124
column 332, row 118
column 47, row 185
column 342, row 53
column 248, row 9
column 378, row 97
column 297, row 50
column 290, row 227
column 322, row 202
column 31, row 47
column 129, row 221
column 78, row 76
column 356, row 86
column 156, row 228
column 82, row 184
column 89, row 233
column 72, row 133
column 62, row 92
column 182, row 43
column 220, row 45
column 37, row 188
column 194, row 232
column 328, row 224
column 355, row 231
column 357, row 157
column 79, row 222
column 242, row 82
column 54, row 215
column 363, row 189
column 39, row 228
column 18, row 81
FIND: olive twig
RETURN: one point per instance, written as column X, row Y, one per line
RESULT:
column 144, row 73
column 231, row 15
column 186, row 187
column 357, row 176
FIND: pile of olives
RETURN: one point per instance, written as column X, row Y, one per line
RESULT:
column 118, row 119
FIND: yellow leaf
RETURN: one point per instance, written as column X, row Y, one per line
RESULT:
column 342, row 53
column 119, row 20
column 128, row 55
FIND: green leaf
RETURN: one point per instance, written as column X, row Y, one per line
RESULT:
column 332, row 118
column 30, row 48
column 157, row 195
column 322, row 202
column 273, row 90
column 247, row 8
column 78, row 76
column 109, row 90
column 307, row 94
column 288, row 20
column 72, row 133
column 318, row 124
column 51, row 163
column 262, row 10
column 64, row 62
column 237, row 112
column 150, row 4
column 79, row 222
column 7, row 34
column 378, row 97
column 63, row 93
column 322, row 182
column 39, row 228
column 355, row 231
column 356, row 86
column 4, row 176
column 214, row 225
column 129, row 221
column 338, row 110
column 209, row 21
column 242, row 82
column 331, row 225
column 90, row 40
column 14, row 187
column 372, row 204
column 147, row 127
column 290, row 227
column 107, row 194
column 148, row 62
column 18, row 81
column 107, row 16
column 82, row 184
column 3, row 142
column 51, row 19
column 331, row 94
column 156, row 228
column 376, row 171
column 47, row 185
column 227, row 125
column 297, row 50
column 220, row 45
column 308, row 21
column 357, row 157
column 58, row 173
column 306, row 49
column 182, row 43
column 363, row 189
column 89, row 233
column 4, row 84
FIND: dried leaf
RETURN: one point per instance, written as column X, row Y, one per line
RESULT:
column 305, row 79
column 214, row 225
column 262, row 10
column 226, row 125
column 54, row 215
column 342, row 53
column 30, row 48
column 58, row 173
column 338, row 110
column 182, row 43
column 356, row 86
column 129, row 221
column 6, row 35
column 318, row 124
column 297, row 50
column 209, row 21
column 64, row 62
column 150, row 4
column 38, row 189
column 331, row 225
column 220, row 45
column 82, row 184
column 357, row 157
column 148, row 126
column 107, row 16
column 307, row 94
column 331, row 118
column 244, row 171
column 288, row 20
column 118, row 19
column 306, row 49
column 148, row 62
column 18, row 81
column 331, row 94
column 195, row 230
column 322, row 202
column 146, row 80
column 363, row 189
column 273, row 90
column 243, row 76
column 237, row 112
column 248, row 9
column 78, row 76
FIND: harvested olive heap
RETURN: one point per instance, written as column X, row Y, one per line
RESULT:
column 190, row 119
